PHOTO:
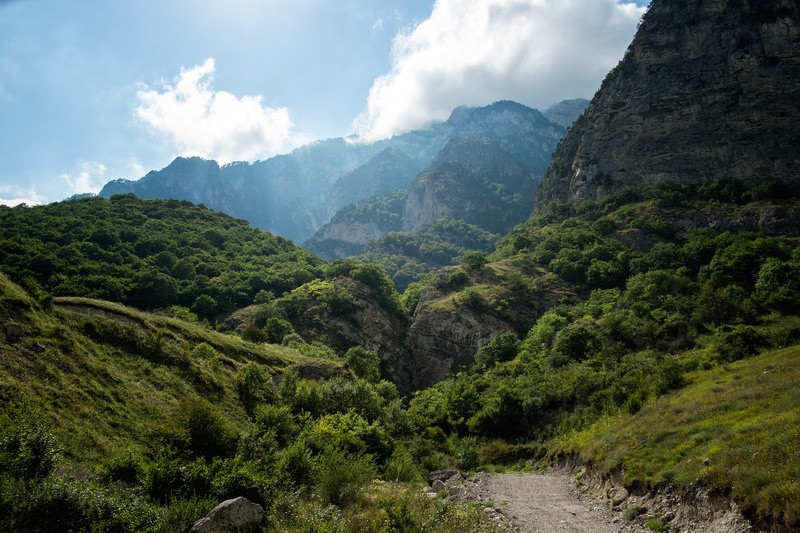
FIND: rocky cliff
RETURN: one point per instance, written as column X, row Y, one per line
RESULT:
column 472, row 180
column 708, row 90
column 483, row 156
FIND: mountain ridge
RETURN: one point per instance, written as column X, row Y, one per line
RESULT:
column 293, row 195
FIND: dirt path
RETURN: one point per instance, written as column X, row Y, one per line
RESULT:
column 545, row 502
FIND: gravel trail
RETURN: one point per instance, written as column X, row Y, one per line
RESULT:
column 548, row 502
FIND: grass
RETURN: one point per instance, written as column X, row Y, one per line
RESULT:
column 104, row 374
column 734, row 428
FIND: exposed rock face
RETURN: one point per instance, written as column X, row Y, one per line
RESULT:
column 709, row 89
column 440, row 336
column 503, row 131
column 238, row 514
column 472, row 180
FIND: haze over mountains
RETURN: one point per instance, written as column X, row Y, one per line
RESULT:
column 293, row 195
column 642, row 325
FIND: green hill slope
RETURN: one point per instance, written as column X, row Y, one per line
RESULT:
column 105, row 373
column 733, row 429
column 147, row 253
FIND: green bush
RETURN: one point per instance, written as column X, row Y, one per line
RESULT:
column 27, row 448
column 472, row 298
column 255, row 386
column 401, row 466
column 339, row 476
column 739, row 342
column 297, row 465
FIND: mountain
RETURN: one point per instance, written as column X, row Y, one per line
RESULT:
column 148, row 253
column 293, row 195
column 485, row 175
column 566, row 112
column 279, row 195
column 706, row 91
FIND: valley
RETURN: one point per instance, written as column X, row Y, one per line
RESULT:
column 576, row 319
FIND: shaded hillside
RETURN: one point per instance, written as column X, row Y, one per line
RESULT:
column 293, row 195
column 477, row 183
column 116, row 420
column 566, row 112
column 410, row 257
column 472, row 180
column 147, row 253
column 707, row 91
column 105, row 373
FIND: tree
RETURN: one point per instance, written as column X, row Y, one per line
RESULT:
column 363, row 363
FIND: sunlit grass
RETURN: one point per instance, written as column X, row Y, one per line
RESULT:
column 735, row 428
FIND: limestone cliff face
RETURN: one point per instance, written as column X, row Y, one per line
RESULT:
column 709, row 89
column 439, row 336
column 473, row 180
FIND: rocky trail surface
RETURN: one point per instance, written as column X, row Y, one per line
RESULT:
column 541, row 502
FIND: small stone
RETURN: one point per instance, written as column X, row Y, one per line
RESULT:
column 438, row 485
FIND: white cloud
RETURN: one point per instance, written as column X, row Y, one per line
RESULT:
column 12, row 195
column 89, row 176
column 473, row 52
column 135, row 169
column 214, row 124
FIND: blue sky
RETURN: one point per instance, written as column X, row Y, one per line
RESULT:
column 95, row 90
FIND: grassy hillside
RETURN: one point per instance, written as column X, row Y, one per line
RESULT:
column 733, row 428
column 104, row 373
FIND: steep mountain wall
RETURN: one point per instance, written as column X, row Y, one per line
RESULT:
column 709, row 89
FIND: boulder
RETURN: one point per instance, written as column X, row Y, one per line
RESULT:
column 238, row 514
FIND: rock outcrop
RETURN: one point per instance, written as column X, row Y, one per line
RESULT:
column 708, row 90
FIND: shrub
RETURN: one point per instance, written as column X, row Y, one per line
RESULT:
column 472, row 298
column 278, row 419
column 339, row 476
column 501, row 348
column 401, row 466
column 632, row 512
column 739, row 342
column 124, row 468
column 27, row 448
column 254, row 386
column 474, row 260
column 457, row 278
column 277, row 329
column 465, row 452
column 296, row 464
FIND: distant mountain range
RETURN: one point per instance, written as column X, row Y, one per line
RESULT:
column 294, row 195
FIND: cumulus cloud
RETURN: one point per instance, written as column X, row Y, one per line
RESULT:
column 12, row 195
column 473, row 52
column 89, row 176
column 201, row 121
